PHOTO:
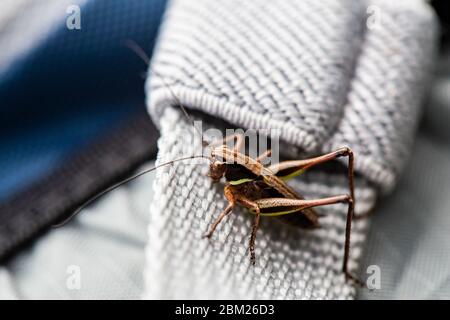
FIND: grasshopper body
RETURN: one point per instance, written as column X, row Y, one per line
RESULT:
column 251, row 180
column 263, row 191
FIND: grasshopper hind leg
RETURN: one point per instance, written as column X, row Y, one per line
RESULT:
column 252, row 205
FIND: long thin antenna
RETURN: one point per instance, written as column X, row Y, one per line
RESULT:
column 144, row 57
column 115, row 186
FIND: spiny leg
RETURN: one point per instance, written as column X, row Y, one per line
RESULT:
column 231, row 203
column 219, row 219
column 297, row 204
column 232, row 198
column 251, row 205
column 253, row 238
column 304, row 204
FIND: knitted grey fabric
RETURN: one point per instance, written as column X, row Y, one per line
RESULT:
column 410, row 235
column 308, row 69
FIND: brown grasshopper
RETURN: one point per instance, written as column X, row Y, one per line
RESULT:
column 262, row 190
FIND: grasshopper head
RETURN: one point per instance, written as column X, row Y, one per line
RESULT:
column 217, row 170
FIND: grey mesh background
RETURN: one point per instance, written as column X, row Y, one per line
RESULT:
column 290, row 66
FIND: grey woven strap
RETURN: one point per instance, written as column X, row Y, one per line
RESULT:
column 312, row 70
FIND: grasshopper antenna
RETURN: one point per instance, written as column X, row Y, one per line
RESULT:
column 118, row 184
column 144, row 57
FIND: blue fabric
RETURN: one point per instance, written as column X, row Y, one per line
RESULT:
column 74, row 86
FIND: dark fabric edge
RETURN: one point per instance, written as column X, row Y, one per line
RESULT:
column 107, row 160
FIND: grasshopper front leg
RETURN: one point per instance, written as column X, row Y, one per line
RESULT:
column 231, row 203
column 232, row 199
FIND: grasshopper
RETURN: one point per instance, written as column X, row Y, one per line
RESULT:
column 262, row 190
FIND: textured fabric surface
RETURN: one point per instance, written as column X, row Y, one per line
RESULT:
column 106, row 242
column 310, row 70
column 391, row 77
column 247, row 58
column 294, row 72
column 410, row 236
